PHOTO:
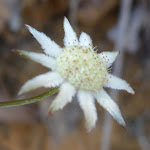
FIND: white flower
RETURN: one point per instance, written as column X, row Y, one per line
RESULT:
column 77, row 69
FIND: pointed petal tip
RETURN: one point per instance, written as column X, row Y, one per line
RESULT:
column 90, row 124
column 15, row 51
column 65, row 19
column 109, row 57
column 28, row 26
column 23, row 53
column 85, row 40
column 130, row 90
column 121, row 122
column 66, row 23
column 20, row 92
column 124, row 127
column 83, row 33
column 118, row 83
column 31, row 29
column 117, row 53
column 20, row 51
column 52, row 108
column 89, row 128
column 70, row 38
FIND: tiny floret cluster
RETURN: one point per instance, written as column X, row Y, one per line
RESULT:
column 82, row 67
column 79, row 70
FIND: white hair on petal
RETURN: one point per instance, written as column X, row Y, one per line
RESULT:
column 86, row 102
column 108, row 57
column 70, row 38
column 49, row 79
column 85, row 40
column 43, row 59
column 117, row 83
column 105, row 101
column 67, row 91
column 49, row 46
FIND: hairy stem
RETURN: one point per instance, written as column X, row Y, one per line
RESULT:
column 29, row 100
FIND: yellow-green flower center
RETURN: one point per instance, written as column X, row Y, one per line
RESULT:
column 82, row 67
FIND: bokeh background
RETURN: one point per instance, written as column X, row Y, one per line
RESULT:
column 120, row 25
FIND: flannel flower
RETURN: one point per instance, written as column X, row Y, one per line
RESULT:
column 78, row 70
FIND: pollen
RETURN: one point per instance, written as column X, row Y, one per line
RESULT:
column 82, row 67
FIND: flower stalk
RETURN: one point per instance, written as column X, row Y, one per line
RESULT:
column 29, row 100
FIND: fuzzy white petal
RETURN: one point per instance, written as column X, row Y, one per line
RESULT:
column 49, row 46
column 86, row 102
column 117, row 83
column 105, row 101
column 70, row 38
column 49, row 79
column 85, row 40
column 108, row 57
column 67, row 91
column 43, row 59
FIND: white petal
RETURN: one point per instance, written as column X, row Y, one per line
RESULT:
column 85, row 40
column 49, row 46
column 105, row 101
column 117, row 83
column 43, row 59
column 86, row 102
column 67, row 91
column 108, row 57
column 49, row 79
column 70, row 38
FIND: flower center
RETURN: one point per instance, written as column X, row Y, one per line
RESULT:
column 82, row 67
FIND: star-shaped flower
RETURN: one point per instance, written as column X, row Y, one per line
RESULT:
column 78, row 70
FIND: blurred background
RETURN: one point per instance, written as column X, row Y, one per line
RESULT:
column 120, row 25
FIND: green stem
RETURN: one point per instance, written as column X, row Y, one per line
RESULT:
column 29, row 100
